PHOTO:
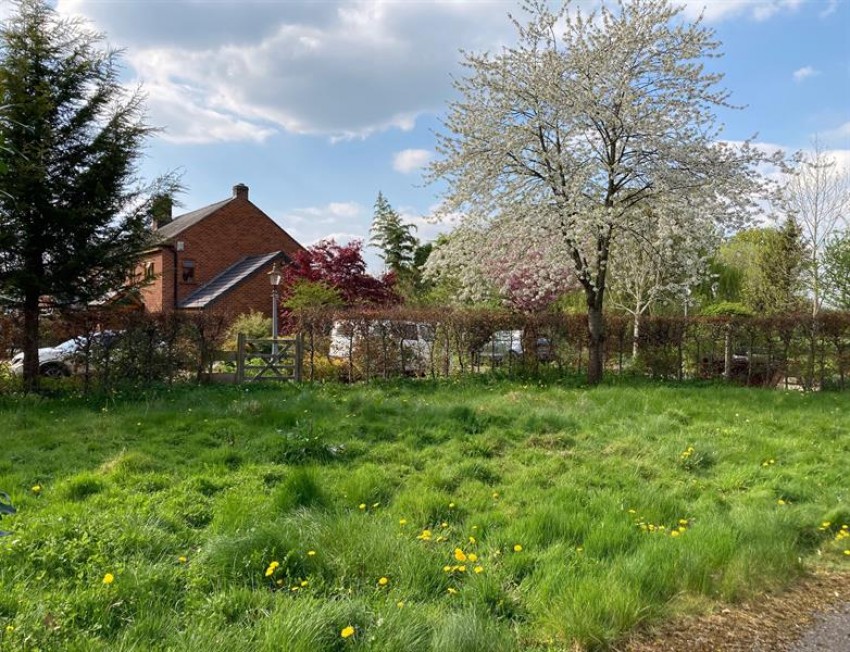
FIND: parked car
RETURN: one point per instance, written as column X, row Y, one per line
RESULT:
column 414, row 341
column 508, row 345
column 67, row 358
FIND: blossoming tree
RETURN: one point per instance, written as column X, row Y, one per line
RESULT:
column 656, row 261
column 571, row 133
column 525, row 275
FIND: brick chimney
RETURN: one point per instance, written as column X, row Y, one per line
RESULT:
column 240, row 190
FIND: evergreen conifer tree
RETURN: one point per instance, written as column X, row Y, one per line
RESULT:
column 74, row 216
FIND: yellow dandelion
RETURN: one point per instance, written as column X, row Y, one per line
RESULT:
column 311, row 553
column 109, row 578
column 362, row 505
column 402, row 521
column 780, row 502
column 495, row 495
column 182, row 559
column 580, row 549
column 462, row 569
column 383, row 581
column 10, row 629
column 444, row 524
column 347, row 632
column 847, row 552
column 674, row 533
column 683, row 521
column 305, row 582
column 452, row 590
column 36, row 488
column 460, row 555
column 447, row 569
column 400, row 604
column 472, row 540
column 478, row 569
column 517, row 548
column 472, row 557
column 451, row 505
column 425, row 536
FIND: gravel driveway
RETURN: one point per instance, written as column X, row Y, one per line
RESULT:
column 831, row 631
column 811, row 616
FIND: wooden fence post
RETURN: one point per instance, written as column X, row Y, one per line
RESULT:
column 299, row 355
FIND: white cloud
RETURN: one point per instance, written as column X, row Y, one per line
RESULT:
column 829, row 9
column 187, row 122
column 840, row 133
column 804, row 73
column 345, row 209
column 342, row 221
column 408, row 160
column 338, row 69
column 760, row 10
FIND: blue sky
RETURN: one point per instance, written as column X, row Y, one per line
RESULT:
column 319, row 105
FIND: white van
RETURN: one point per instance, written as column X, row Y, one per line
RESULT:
column 415, row 341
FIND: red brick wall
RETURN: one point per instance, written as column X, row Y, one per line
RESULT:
column 253, row 294
column 158, row 295
column 236, row 230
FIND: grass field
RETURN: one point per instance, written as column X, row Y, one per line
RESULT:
column 478, row 515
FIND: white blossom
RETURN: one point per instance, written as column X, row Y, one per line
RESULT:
column 572, row 134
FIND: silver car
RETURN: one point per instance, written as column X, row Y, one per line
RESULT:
column 67, row 358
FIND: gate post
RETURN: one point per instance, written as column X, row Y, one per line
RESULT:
column 240, row 357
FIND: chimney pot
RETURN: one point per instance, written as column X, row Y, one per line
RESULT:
column 240, row 190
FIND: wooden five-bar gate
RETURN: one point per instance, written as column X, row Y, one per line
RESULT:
column 268, row 359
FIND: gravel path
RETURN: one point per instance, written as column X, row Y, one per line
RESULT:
column 831, row 631
column 811, row 616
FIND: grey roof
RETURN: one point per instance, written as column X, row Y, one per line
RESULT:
column 183, row 222
column 228, row 279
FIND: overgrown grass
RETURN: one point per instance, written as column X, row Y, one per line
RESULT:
column 502, row 515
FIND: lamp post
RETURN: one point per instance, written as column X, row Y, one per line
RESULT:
column 274, row 278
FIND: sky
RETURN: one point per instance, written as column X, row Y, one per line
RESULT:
column 319, row 105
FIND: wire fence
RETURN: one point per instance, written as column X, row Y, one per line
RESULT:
column 790, row 350
column 359, row 345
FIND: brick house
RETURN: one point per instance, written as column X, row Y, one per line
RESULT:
column 214, row 258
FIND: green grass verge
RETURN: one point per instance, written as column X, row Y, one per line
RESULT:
column 501, row 515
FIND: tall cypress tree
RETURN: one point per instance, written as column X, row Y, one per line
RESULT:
column 394, row 238
column 74, row 215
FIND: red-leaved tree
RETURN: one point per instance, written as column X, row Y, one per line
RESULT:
column 341, row 268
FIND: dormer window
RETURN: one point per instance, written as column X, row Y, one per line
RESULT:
column 188, row 271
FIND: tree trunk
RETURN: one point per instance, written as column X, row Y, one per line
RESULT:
column 635, row 334
column 30, row 348
column 596, row 336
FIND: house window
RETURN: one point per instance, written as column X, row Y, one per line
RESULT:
column 150, row 272
column 188, row 271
